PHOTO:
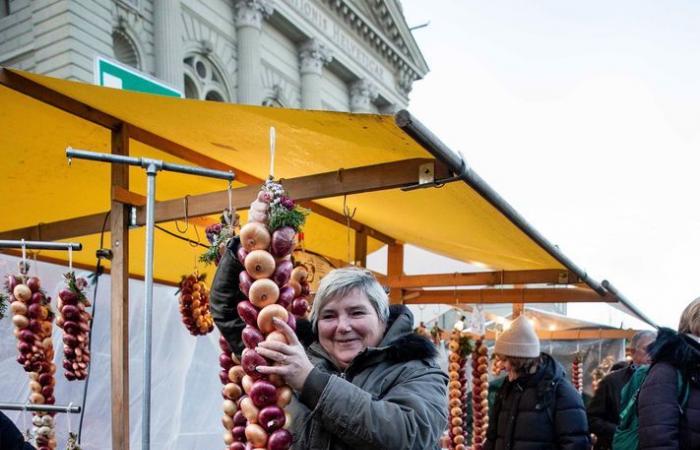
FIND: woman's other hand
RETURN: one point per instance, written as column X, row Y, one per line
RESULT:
column 290, row 360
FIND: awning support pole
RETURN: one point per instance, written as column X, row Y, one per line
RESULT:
column 152, row 167
column 42, row 245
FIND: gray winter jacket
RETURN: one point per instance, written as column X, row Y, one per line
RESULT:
column 393, row 396
column 390, row 397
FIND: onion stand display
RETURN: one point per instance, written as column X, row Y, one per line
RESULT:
column 33, row 320
column 577, row 373
column 194, row 304
column 460, row 347
column 275, row 289
column 480, row 390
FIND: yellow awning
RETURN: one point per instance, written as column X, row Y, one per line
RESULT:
column 39, row 187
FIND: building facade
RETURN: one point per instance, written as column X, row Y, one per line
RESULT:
column 343, row 55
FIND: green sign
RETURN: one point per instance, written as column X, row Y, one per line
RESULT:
column 112, row 74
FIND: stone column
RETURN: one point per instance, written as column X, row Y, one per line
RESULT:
column 362, row 93
column 312, row 57
column 249, row 16
column 167, row 42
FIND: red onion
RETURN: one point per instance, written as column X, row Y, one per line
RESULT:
column 241, row 254
column 250, row 360
column 238, row 433
column 244, row 282
column 263, row 393
column 248, row 313
column 239, row 419
column 223, row 345
column 271, row 418
column 238, row 445
column 34, row 284
column 279, row 440
column 251, row 336
column 299, row 307
column 282, row 242
column 282, row 273
column 223, row 376
column 225, row 362
column 292, row 322
column 286, row 296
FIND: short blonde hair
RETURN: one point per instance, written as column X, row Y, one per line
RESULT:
column 690, row 319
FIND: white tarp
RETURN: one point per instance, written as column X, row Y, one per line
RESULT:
column 186, row 391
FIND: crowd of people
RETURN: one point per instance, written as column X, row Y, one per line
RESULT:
column 363, row 379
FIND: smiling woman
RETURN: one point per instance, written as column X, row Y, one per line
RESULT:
column 359, row 372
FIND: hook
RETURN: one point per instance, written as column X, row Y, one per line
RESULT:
column 187, row 205
column 348, row 218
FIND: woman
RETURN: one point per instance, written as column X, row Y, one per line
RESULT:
column 366, row 381
column 536, row 407
column 669, row 417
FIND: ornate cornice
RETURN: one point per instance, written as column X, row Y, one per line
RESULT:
column 250, row 13
column 313, row 56
column 388, row 42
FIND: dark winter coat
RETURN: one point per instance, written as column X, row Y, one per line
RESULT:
column 604, row 408
column 10, row 436
column 662, row 423
column 393, row 396
column 538, row 411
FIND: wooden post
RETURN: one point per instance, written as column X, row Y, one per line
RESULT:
column 360, row 249
column 119, row 319
column 518, row 309
column 395, row 267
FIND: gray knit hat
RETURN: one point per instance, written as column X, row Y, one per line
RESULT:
column 519, row 341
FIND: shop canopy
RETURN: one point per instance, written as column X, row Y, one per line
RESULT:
column 369, row 180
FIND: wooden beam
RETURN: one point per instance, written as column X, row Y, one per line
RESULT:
column 84, row 111
column 576, row 335
column 546, row 276
column 360, row 249
column 395, row 268
column 62, row 229
column 379, row 176
column 309, row 187
column 119, row 318
column 490, row 296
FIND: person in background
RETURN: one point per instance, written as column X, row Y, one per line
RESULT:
column 669, row 414
column 10, row 436
column 604, row 407
column 536, row 408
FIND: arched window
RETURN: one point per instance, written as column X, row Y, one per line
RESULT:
column 203, row 80
column 124, row 49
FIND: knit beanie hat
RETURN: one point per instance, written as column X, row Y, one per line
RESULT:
column 519, row 341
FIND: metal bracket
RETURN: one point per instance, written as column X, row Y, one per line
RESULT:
column 426, row 173
column 563, row 278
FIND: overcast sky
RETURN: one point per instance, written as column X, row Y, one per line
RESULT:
column 584, row 116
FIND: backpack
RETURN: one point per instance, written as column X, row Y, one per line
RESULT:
column 627, row 434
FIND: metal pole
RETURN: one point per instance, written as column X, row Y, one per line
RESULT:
column 151, row 172
column 152, row 166
column 146, row 162
column 42, row 408
column 423, row 136
column 41, row 245
column 630, row 307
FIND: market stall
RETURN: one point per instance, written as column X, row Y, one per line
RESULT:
column 368, row 180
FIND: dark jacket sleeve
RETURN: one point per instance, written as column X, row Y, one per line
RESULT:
column 658, row 409
column 570, row 424
column 599, row 412
column 412, row 415
column 10, row 436
column 225, row 295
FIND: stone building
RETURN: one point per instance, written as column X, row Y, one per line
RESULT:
column 344, row 55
